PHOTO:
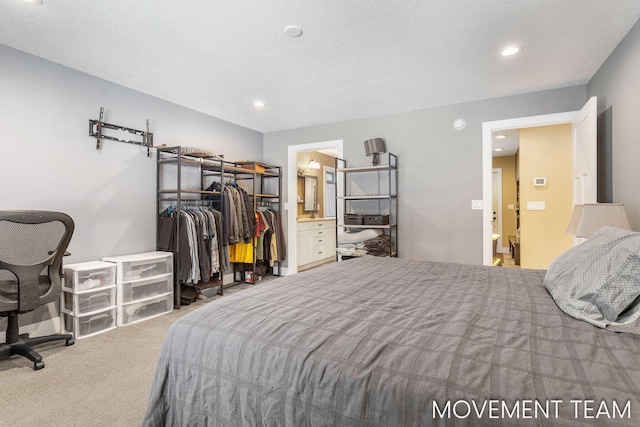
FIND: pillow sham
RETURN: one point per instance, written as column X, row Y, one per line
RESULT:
column 599, row 279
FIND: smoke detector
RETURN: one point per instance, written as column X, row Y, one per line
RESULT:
column 293, row 31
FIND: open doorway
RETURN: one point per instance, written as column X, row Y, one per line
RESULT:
column 496, row 206
column 584, row 146
column 504, row 197
column 336, row 148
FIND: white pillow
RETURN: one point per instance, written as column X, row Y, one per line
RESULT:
column 599, row 279
column 358, row 236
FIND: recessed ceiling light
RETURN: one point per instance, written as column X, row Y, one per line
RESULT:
column 33, row 2
column 510, row 51
column 293, row 31
column 259, row 104
column 500, row 136
column 498, row 149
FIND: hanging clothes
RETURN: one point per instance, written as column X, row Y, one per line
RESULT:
column 271, row 245
column 248, row 235
column 168, row 241
column 198, row 257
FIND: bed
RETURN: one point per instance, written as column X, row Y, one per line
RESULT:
column 392, row 342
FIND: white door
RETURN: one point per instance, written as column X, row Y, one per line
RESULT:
column 585, row 154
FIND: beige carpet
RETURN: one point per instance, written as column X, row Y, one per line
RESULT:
column 102, row 380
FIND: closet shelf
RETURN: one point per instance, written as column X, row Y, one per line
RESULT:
column 184, row 159
column 209, row 166
column 198, row 161
column 234, row 170
column 366, row 197
column 188, row 191
column 249, row 174
column 266, row 196
column 367, row 226
column 377, row 168
column 183, row 200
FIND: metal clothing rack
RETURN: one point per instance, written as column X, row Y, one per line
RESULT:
column 96, row 127
column 262, row 178
column 257, row 176
column 177, row 196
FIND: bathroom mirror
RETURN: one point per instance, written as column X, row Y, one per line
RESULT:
column 310, row 193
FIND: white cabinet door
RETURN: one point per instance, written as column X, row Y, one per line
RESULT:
column 305, row 253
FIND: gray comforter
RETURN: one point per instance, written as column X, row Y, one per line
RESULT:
column 391, row 342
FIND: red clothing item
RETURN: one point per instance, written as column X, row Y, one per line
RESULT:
column 260, row 225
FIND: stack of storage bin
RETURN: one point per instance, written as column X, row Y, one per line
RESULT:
column 144, row 285
column 88, row 298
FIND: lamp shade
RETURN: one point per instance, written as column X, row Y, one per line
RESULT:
column 373, row 147
column 589, row 218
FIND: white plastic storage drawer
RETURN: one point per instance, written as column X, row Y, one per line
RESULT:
column 144, row 289
column 89, row 301
column 89, row 324
column 142, row 266
column 137, row 311
column 89, row 275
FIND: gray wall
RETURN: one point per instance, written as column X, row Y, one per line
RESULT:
column 49, row 162
column 440, row 168
column 617, row 86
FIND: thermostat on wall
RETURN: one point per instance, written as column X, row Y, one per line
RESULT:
column 539, row 182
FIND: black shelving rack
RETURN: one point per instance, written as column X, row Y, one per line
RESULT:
column 174, row 194
column 363, row 200
column 263, row 182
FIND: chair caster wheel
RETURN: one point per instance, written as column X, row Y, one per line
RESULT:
column 38, row 365
column 69, row 342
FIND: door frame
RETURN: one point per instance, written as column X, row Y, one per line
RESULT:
column 291, row 205
column 488, row 128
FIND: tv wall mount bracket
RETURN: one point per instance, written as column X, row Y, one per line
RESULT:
column 96, row 130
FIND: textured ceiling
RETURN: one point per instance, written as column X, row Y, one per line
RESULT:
column 354, row 59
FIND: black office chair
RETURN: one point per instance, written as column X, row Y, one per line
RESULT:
column 32, row 244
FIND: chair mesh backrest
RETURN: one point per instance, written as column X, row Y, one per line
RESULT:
column 27, row 244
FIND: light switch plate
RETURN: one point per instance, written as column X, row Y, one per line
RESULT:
column 476, row 204
column 536, row 206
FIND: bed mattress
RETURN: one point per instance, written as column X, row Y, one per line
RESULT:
column 392, row 342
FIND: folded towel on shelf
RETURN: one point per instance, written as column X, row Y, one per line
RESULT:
column 379, row 246
column 350, row 249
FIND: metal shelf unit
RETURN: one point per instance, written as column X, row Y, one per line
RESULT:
column 370, row 190
column 263, row 184
column 178, row 197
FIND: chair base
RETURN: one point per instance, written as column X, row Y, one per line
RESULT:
column 22, row 347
